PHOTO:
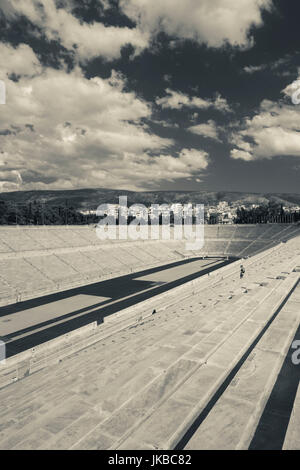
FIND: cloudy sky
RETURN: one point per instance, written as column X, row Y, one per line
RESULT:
column 150, row 95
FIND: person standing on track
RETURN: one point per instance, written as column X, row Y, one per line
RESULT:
column 242, row 272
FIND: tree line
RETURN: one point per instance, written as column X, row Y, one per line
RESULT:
column 269, row 213
column 37, row 213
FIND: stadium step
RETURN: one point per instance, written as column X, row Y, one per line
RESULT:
column 292, row 439
column 234, row 418
column 215, row 362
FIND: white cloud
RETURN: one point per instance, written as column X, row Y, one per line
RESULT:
column 221, row 104
column 254, row 68
column 178, row 100
column 278, row 67
column 195, row 159
column 208, row 130
column 206, row 21
column 20, row 60
column 273, row 131
column 212, row 22
column 165, row 123
column 62, row 130
column 292, row 91
column 237, row 154
column 84, row 39
column 158, row 168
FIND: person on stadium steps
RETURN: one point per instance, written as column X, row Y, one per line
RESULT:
column 242, row 272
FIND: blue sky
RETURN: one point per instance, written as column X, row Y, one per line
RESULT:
column 144, row 95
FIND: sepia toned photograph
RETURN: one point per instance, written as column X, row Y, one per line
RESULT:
column 149, row 228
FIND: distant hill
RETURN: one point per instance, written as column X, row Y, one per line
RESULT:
column 90, row 199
